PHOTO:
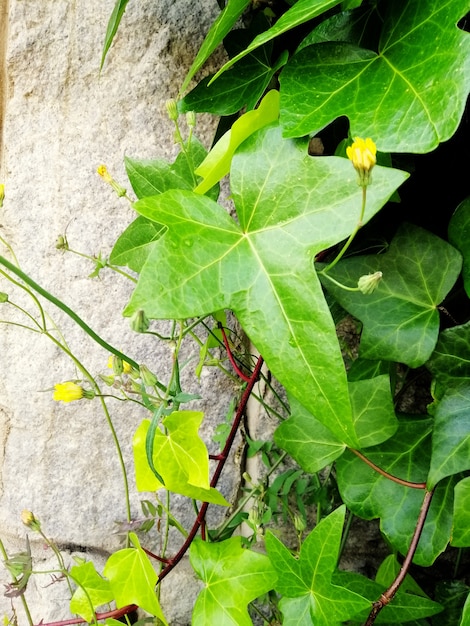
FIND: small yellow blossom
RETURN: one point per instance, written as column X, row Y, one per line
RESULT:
column 29, row 520
column 70, row 391
column 2, row 194
column 369, row 282
column 106, row 176
column 118, row 365
column 362, row 153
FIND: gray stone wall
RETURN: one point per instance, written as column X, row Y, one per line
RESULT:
column 61, row 118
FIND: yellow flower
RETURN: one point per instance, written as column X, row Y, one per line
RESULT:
column 2, row 194
column 106, row 176
column 69, row 391
column 118, row 365
column 28, row 519
column 362, row 153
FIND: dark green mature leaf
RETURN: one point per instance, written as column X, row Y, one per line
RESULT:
column 404, row 607
column 369, row 495
column 451, row 434
column 215, row 36
column 113, row 25
column 450, row 361
column 400, row 318
column 452, row 594
column 309, row 596
column 408, row 97
column 233, row 577
column 290, row 206
column 459, row 236
column 461, row 530
column 301, row 12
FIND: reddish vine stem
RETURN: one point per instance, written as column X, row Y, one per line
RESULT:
column 218, row 470
column 388, row 595
column 395, row 479
column 230, row 356
column 99, row 616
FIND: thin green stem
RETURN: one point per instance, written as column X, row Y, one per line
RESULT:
column 337, row 283
column 15, row 580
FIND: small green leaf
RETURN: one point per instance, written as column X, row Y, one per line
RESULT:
column 113, row 25
column 408, row 97
column 461, row 529
column 92, row 588
column 400, row 318
column 309, row 594
column 302, row 11
column 180, row 457
column 215, row 36
column 217, row 163
column 451, row 433
column 459, row 236
column 233, row 577
column 133, row 579
column 135, row 244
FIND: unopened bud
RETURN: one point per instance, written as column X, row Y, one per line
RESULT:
column 62, row 243
column 108, row 380
column 28, row 519
column 140, row 322
column 106, row 176
column 172, row 109
column 299, row 523
column 191, row 119
column 118, row 365
column 147, row 377
column 369, row 282
column 2, row 194
column 3, row 297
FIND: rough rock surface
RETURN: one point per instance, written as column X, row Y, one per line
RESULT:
column 62, row 118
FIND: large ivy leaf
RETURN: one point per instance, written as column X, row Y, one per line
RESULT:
column 290, row 206
column 400, row 318
column 451, row 433
column 404, row 608
column 179, row 456
column 450, row 361
column 233, row 577
column 92, row 588
column 461, row 529
column 149, row 178
column 409, row 97
column 313, row 446
column 308, row 594
column 301, row 12
column 215, row 36
column 133, row 579
column 370, row 495
column 459, row 236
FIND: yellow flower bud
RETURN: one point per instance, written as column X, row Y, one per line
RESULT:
column 2, row 194
column 106, row 176
column 28, row 519
column 362, row 153
column 70, row 391
column 172, row 110
column 118, row 365
column 369, row 282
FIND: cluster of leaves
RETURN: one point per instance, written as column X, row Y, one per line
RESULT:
column 399, row 71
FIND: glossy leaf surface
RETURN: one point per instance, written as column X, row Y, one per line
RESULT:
column 290, row 206
column 461, row 530
column 233, row 577
column 408, row 96
column 459, row 236
column 92, row 588
column 309, row 596
column 400, row 318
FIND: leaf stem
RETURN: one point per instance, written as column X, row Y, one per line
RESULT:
column 395, row 479
column 116, row 613
column 389, row 594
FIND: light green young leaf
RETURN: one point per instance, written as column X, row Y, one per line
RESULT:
column 113, row 25
column 451, row 433
column 302, row 11
column 290, row 206
column 309, row 595
column 180, row 457
column 233, row 577
column 461, row 530
column 459, row 236
column 217, row 163
column 215, row 36
column 92, row 587
column 408, row 97
column 133, row 579
column 370, row 495
column 400, row 318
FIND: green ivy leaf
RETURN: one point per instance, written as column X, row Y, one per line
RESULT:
column 400, row 318
column 451, row 433
column 135, row 243
column 459, row 236
column 302, row 11
column 133, row 579
column 180, row 457
column 290, row 206
column 450, row 361
column 369, row 495
column 404, row 608
column 92, row 588
column 461, row 530
column 309, row 595
column 233, row 577
column 408, row 97
column 222, row 25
